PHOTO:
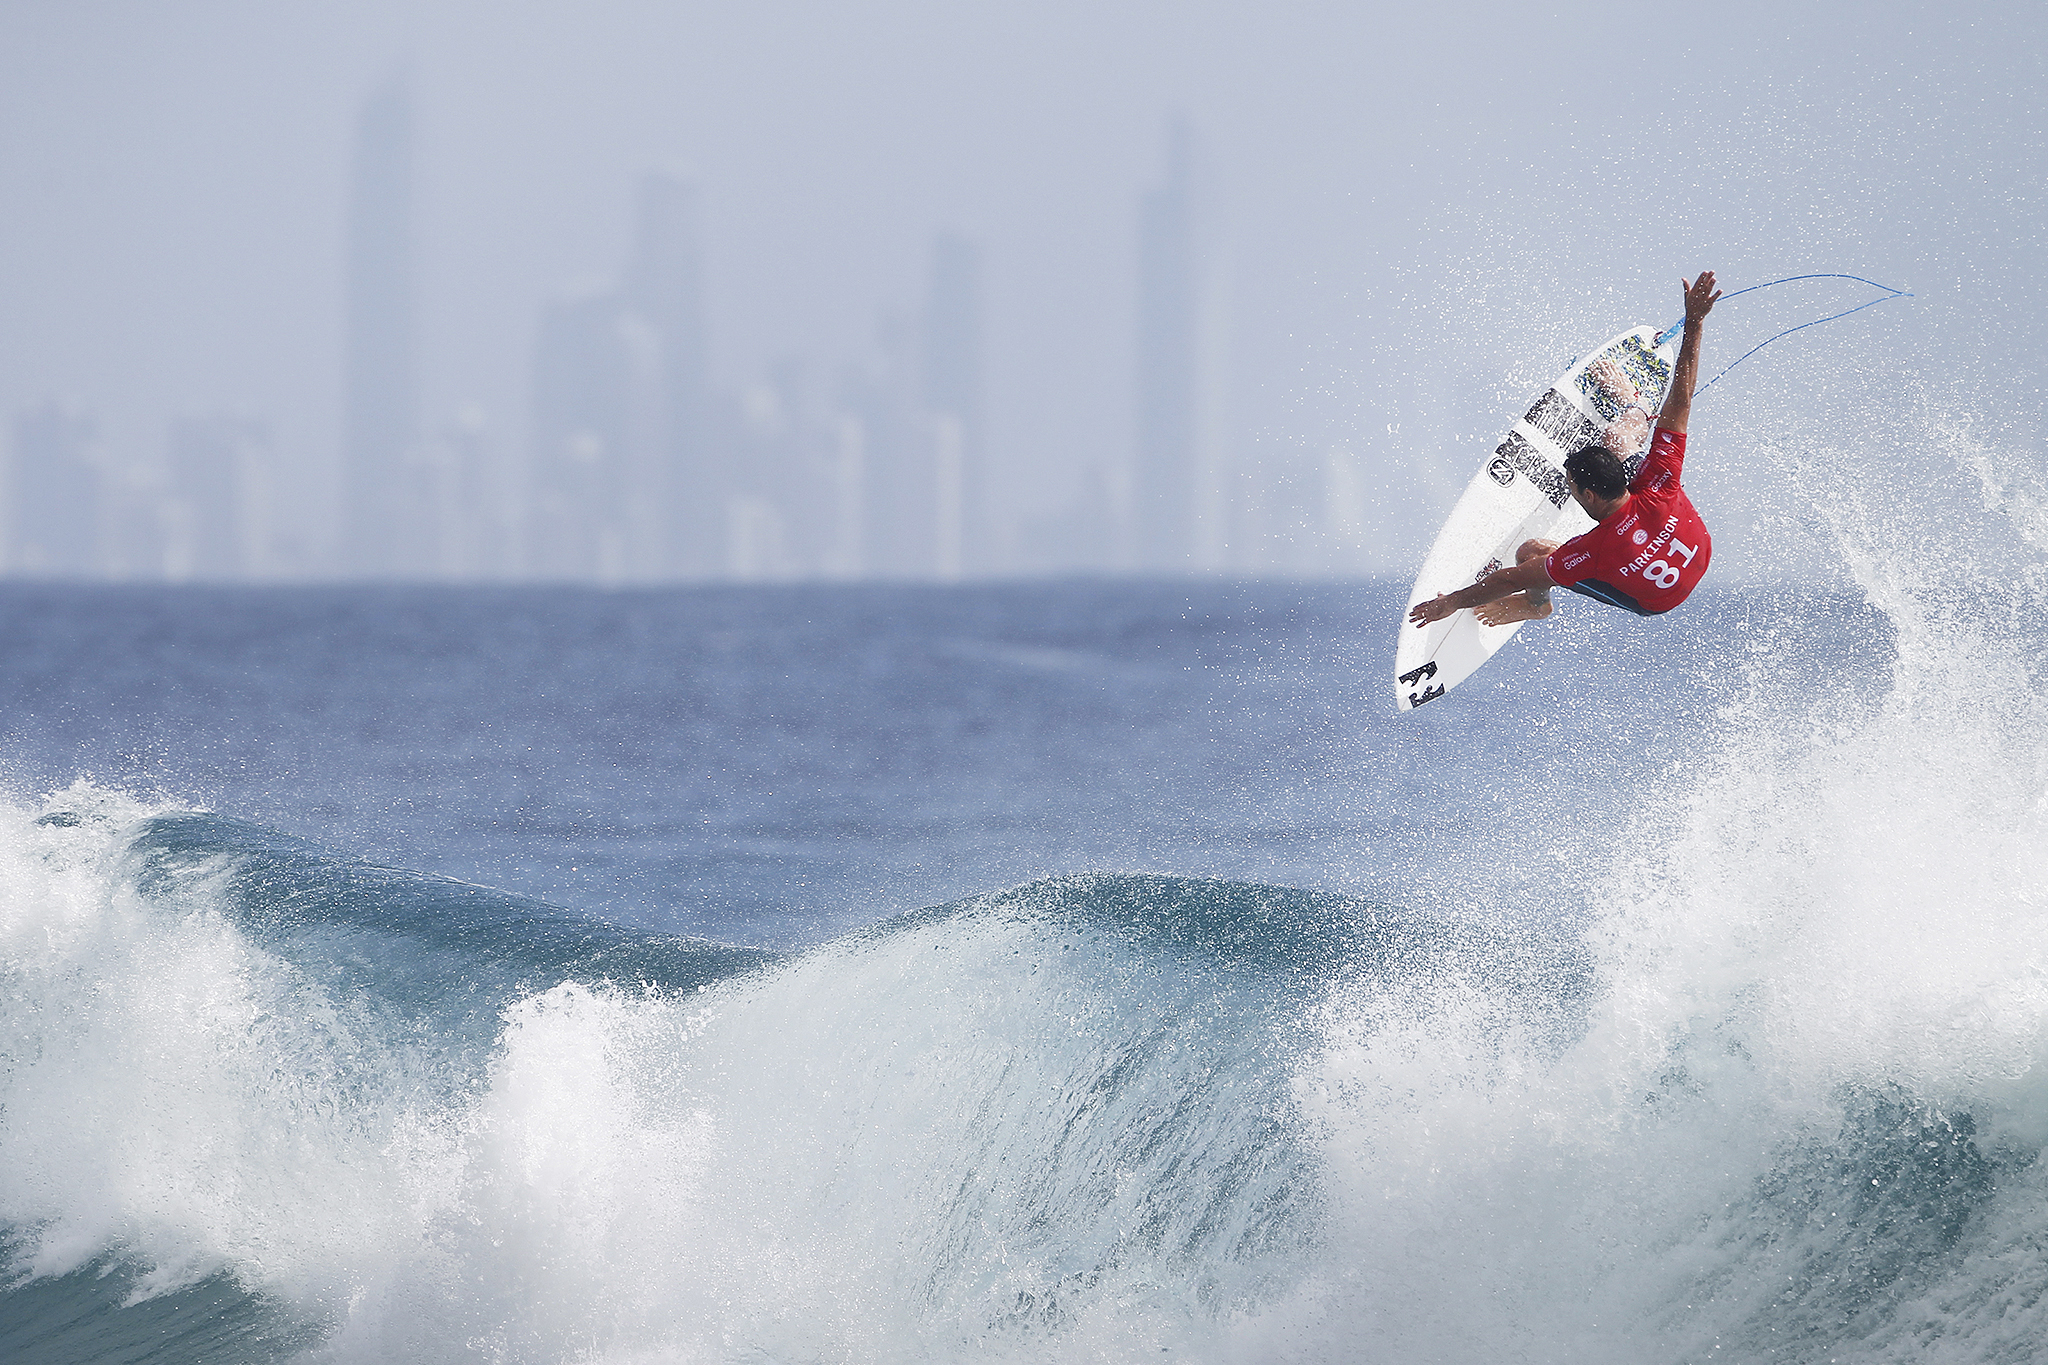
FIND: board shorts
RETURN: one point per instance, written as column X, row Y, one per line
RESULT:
column 1651, row 554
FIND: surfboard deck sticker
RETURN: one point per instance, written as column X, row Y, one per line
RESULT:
column 1519, row 493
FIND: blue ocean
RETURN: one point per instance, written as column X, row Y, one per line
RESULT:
column 1076, row 970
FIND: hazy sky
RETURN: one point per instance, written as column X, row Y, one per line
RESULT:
column 1430, row 209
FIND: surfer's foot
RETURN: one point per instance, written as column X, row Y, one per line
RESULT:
column 1514, row 607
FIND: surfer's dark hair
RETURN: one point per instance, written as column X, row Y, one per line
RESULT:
column 1598, row 470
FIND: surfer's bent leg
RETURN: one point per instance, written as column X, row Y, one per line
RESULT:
column 1531, row 604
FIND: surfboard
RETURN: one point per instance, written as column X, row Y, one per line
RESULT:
column 1519, row 493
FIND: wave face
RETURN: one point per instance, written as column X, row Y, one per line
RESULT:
column 262, row 1102
column 234, row 1068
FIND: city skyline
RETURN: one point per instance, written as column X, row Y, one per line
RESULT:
column 633, row 465
column 1401, row 253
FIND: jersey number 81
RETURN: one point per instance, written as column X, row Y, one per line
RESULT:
column 1665, row 574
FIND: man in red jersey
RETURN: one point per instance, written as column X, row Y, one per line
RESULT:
column 1650, row 549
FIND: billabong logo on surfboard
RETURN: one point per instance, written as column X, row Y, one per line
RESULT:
column 1422, row 674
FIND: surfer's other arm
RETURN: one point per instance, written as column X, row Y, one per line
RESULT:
column 1699, row 301
column 1529, row 576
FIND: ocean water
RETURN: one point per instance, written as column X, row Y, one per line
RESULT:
column 1078, row 970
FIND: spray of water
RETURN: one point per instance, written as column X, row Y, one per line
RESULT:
column 1803, row 1113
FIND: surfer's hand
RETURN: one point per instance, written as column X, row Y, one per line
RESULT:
column 1435, row 609
column 1700, row 296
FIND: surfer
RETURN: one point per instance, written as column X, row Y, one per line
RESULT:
column 1650, row 549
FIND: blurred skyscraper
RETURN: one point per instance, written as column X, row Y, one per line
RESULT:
column 216, row 515
column 474, row 511
column 664, row 286
column 843, row 486
column 1176, row 515
column 966, row 533
column 625, row 484
column 596, row 423
column 54, row 494
column 772, row 481
column 900, row 501
column 380, row 408
column 911, row 434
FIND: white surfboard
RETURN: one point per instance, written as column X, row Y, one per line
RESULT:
column 1519, row 494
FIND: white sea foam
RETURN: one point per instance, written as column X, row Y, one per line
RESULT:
column 970, row 1135
column 175, row 1096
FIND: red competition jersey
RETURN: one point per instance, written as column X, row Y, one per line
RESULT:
column 1650, row 555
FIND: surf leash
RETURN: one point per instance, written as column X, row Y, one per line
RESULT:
column 1888, row 295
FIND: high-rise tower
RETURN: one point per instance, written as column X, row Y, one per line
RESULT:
column 595, row 422
column 952, row 398
column 1176, row 511
column 380, row 407
column 623, row 485
column 54, row 494
column 914, row 417
column 664, row 286
column 218, row 523
column 900, row 485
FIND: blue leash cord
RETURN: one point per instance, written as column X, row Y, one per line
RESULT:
column 1889, row 294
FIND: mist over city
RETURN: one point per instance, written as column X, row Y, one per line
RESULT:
column 633, row 464
column 639, row 293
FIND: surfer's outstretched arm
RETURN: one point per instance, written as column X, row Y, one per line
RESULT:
column 1528, row 574
column 1699, row 301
